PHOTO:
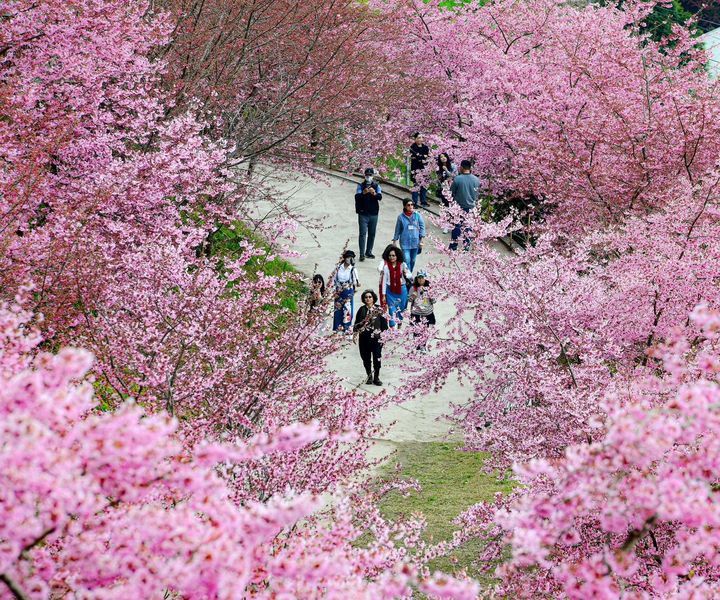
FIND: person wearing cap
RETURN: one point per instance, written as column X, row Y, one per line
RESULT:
column 345, row 281
column 422, row 303
column 409, row 232
column 367, row 206
column 464, row 189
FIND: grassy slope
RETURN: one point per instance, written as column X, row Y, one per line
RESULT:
column 451, row 481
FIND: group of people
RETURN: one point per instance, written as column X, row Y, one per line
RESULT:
column 398, row 288
column 378, row 311
column 462, row 188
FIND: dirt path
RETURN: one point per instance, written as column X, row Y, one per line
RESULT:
column 421, row 419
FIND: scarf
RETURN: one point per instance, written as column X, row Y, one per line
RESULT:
column 407, row 214
column 395, row 277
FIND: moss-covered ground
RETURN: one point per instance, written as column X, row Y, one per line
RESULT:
column 452, row 481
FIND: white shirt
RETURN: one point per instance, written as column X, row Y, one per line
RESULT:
column 346, row 276
column 385, row 270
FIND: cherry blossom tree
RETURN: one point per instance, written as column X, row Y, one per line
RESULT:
column 634, row 514
column 576, row 106
column 194, row 470
column 571, row 105
column 111, row 504
column 107, row 206
column 288, row 81
column 559, row 344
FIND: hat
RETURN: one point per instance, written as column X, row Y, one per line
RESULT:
column 348, row 254
column 421, row 273
column 369, row 171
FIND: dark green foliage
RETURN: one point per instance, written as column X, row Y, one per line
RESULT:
column 707, row 13
column 228, row 240
column 659, row 24
column 528, row 209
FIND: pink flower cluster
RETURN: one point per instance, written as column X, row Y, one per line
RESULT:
column 110, row 505
column 579, row 357
column 636, row 513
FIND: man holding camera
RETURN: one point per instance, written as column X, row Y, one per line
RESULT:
column 367, row 206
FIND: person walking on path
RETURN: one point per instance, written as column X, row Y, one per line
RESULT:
column 345, row 281
column 419, row 153
column 370, row 322
column 464, row 191
column 393, row 291
column 367, row 207
column 409, row 233
column 446, row 170
column 422, row 303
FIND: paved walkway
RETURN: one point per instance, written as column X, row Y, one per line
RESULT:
column 332, row 203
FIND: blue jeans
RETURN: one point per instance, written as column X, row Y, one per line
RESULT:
column 396, row 303
column 367, row 225
column 455, row 235
column 410, row 256
column 421, row 195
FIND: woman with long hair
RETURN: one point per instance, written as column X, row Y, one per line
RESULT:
column 393, row 276
column 446, row 170
column 317, row 292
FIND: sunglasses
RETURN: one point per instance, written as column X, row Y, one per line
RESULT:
column 366, row 296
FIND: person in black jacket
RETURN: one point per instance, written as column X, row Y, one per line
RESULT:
column 419, row 154
column 370, row 322
column 367, row 206
column 446, row 170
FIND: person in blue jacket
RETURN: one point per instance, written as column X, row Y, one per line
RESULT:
column 409, row 233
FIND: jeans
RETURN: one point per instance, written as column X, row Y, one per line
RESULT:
column 455, row 235
column 396, row 304
column 367, row 225
column 410, row 257
column 421, row 195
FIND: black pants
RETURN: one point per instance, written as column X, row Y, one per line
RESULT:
column 370, row 347
column 444, row 196
column 429, row 319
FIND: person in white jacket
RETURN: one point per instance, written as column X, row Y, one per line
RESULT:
column 394, row 274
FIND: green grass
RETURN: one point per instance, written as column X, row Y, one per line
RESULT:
column 227, row 241
column 451, row 482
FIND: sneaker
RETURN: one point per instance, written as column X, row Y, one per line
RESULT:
column 446, row 231
column 368, row 255
column 369, row 379
column 377, row 381
column 362, row 257
column 425, row 205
